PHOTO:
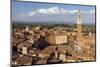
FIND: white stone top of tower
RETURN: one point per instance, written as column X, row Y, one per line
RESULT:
column 79, row 17
column 27, row 28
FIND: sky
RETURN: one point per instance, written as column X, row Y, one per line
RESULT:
column 26, row 12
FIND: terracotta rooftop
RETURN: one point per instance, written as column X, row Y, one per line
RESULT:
column 24, row 60
column 24, row 44
column 47, row 51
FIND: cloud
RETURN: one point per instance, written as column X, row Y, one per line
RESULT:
column 55, row 11
column 31, row 13
column 46, row 11
column 52, row 10
column 72, row 11
column 92, row 11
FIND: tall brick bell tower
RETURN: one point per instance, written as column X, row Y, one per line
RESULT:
column 79, row 29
